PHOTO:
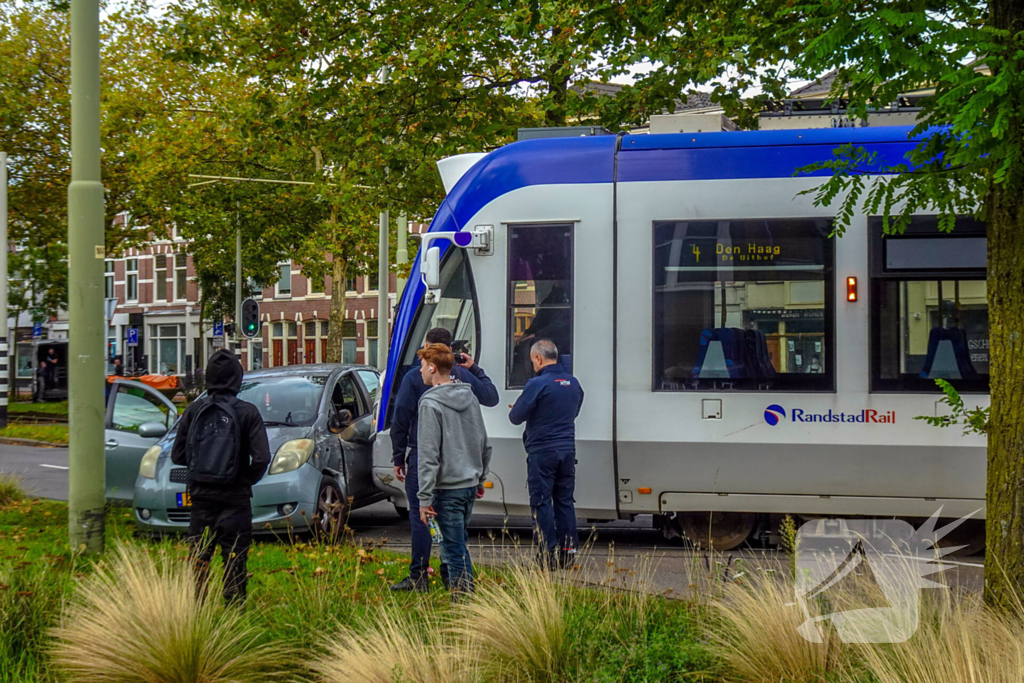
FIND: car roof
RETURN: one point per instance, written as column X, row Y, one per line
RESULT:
column 306, row 369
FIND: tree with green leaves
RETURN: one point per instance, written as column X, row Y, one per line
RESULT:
column 968, row 58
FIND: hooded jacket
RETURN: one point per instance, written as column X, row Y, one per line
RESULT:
column 403, row 427
column 223, row 380
column 454, row 452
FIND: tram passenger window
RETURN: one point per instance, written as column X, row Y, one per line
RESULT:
column 539, row 296
column 455, row 311
column 743, row 305
column 929, row 307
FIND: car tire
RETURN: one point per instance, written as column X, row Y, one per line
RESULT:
column 402, row 512
column 331, row 511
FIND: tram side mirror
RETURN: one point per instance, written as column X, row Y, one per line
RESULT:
column 432, row 268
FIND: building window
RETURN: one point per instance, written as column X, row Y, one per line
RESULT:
column 743, row 305
column 539, row 295
column 160, row 277
column 131, row 268
column 108, row 279
column 350, row 283
column 284, row 283
column 929, row 307
column 348, row 341
column 316, row 285
column 372, row 280
column 180, row 277
column 255, row 354
column 371, row 343
column 167, row 349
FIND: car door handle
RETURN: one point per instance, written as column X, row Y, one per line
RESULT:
column 110, row 443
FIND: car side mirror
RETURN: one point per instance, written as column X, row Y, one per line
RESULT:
column 152, row 430
column 339, row 420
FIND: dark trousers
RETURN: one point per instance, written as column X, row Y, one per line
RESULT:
column 229, row 526
column 419, row 532
column 551, row 477
column 454, row 509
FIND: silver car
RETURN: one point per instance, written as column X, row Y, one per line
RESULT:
column 319, row 421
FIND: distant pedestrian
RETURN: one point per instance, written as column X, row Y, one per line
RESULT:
column 549, row 405
column 454, row 456
column 404, row 448
column 223, row 443
column 118, row 367
column 51, row 369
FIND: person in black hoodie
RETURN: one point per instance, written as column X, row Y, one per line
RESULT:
column 221, row 513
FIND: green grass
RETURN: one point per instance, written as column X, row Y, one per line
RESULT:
column 300, row 592
column 40, row 432
column 50, row 408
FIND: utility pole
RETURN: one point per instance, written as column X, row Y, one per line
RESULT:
column 383, row 277
column 86, row 252
column 237, row 339
column 4, row 348
column 383, row 304
column 402, row 250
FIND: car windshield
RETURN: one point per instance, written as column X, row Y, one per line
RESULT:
column 287, row 400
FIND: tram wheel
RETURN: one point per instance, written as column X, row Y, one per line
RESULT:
column 970, row 534
column 715, row 530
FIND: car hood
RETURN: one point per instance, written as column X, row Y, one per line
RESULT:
column 276, row 435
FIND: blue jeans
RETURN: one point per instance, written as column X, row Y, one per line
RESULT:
column 420, row 534
column 454, row 508
column 551, row 477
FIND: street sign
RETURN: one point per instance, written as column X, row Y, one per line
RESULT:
column 133, row 336
column 37, row 330
column 218, row 329
column 218, row 342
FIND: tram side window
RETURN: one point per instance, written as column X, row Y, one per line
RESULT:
column 540, row 295
column 743, row 305
column 455, row 311
column 929, row 307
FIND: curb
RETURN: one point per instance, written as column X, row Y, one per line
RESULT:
column 30, row 442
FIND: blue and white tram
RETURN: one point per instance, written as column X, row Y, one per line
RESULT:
column 739, row 362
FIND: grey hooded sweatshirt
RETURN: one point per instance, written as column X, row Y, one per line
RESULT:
column 454, row 452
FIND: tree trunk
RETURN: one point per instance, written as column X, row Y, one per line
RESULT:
column 334, row 335
column 1004, row 527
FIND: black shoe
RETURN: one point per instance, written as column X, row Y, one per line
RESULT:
column 408, row 584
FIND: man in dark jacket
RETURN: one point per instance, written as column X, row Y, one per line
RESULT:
column 222, row 513
column 404, row 449
column 549, row 405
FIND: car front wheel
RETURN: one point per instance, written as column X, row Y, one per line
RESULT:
column 329, row 518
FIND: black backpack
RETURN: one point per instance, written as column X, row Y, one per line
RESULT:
column 214, row 443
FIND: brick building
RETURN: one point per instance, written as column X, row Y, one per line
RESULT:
column 155, row 285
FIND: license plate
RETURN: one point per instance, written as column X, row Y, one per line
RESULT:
column 184, row 500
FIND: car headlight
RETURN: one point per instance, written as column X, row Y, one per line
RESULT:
column 147, row 467
column 291, row 455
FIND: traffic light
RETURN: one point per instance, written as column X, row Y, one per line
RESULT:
column 250, row 318
column 229, row 329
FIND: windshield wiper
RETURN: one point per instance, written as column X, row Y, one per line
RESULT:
column 275, row 423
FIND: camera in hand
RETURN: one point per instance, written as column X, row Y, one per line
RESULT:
column 459, row 358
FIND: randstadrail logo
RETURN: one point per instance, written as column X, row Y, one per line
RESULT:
column 774, row 413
